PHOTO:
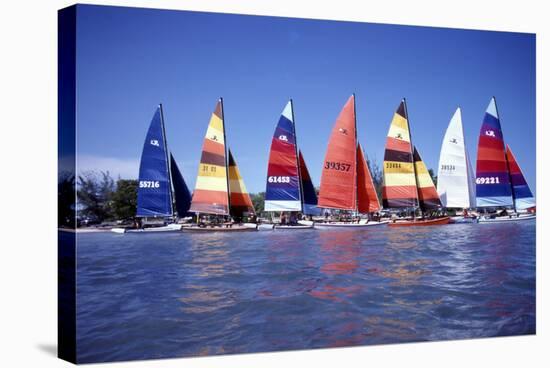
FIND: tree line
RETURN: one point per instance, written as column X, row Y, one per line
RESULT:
column 100, row 198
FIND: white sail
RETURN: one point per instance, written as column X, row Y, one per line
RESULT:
column 455, row 183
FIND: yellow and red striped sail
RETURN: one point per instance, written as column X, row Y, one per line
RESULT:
column 367, row 199
column 240, row 199
column 399, row 179
column 338, row 179
column 427, row 194
column 211, row 193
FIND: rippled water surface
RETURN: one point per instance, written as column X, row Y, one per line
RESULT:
column 169, row 295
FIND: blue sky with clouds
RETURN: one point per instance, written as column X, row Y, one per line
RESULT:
column 129, row 60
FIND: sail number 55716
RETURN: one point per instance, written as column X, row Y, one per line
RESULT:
column 339, row 166
column 488, row 180
column 149, row 184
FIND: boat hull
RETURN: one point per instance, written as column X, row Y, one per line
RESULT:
column 427, row 222
column 293, row 227
column 484, row 220
column 161, row 229
column 208, row 229
column 326, row 225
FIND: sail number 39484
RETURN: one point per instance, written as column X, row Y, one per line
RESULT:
column 488, row 180
column 339, row 166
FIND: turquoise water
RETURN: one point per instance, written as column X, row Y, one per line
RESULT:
column 144, row 296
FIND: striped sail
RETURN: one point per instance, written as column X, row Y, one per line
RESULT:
column 338, row 179
column 399, row 180
column 283, row 181
column 427, row 194
column 211, row 193
column 308, row 190
column 523, row 198
column 493, row 187
column 367, row 200
column 455, row 182
column 154, row 194
column 240, row 199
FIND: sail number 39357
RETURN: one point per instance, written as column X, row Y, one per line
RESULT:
column 149, row 184
column 339, row 166
column 488, row 180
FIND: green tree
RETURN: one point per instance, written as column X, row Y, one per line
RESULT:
column 258, row 202
column 94, row 195
column 434, row 177
column 65, row 200
column 124, row 199
column 377, row 177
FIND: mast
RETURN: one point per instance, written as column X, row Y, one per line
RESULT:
column 168, row 166
column 355, row 181
column 226, row 163
column 297, row 157
column 412, row 155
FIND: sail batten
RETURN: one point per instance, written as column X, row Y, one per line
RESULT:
column 338, row 188
column 154, row 195
column 523, row 197
column 211, row 194
column 493, row 187
column 399, row 188
column 455, row 176
column 283, row 177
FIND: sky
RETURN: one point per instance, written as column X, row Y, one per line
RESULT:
column 129, row 60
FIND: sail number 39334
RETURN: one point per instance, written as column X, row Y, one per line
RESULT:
column 338, row 166
column 149, row 184
column 488, row 180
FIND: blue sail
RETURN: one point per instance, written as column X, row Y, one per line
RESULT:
column 182, row 195
column 154, row 188
column 308, row 190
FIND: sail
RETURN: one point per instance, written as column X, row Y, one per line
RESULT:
column 523, row 198
column 182, row 195
column 367, row 200
column 493, row 187
column 283, row 182
column 308, row 190
column 240, row 199
column 399, row 180
column 427, row 194
column 154, row 194
column 211, row 189
column 454, row 174
column 338, row 179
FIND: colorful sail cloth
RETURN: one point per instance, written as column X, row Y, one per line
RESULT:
column 338, row 179
column 427, row 194
column 455, row 179
column 367, row 199
column 523, row 198
column 399, row 179
column 308, row 190
column 283, row 182
column 154, row 194
column 211, row 193
column 182, row 195
column 240, row 201
column 493, row 187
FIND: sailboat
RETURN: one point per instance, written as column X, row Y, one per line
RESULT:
column 212, row 194
column 407, row 182
column 288, row 184
column 161, row 186
column 455, row 177
column 499, row 180
column 346, row 182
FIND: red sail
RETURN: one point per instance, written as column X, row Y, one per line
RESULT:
column 338, row 179
column 367, row 200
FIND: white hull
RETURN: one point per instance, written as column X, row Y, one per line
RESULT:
column 269, row 227
column 512, row 218
column 160, row 229
column 321, row 225
column 463, row 220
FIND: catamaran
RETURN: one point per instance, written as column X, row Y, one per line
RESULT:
column 407, row 182
column 500, row 183
column 161, row 186
column 346, row 182
column 455, row 177
column 219, row 190
column 289, row 188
